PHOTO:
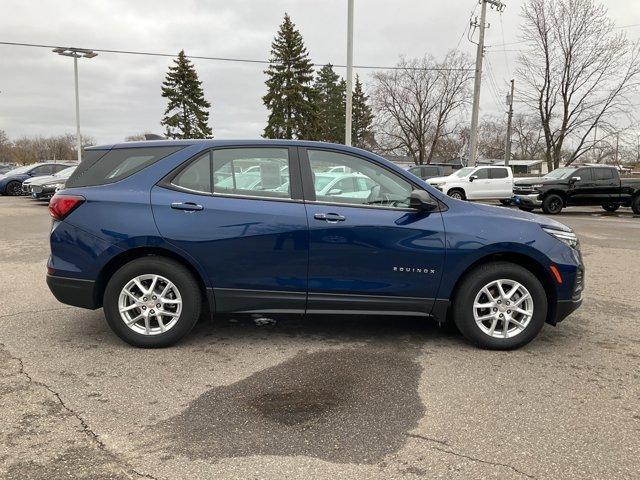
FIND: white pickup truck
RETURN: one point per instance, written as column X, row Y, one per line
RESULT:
column 477, row 183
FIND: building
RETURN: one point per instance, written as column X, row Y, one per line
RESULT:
column 520, row 167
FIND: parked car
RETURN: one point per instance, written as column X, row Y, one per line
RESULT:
column 11, row 182
column 43, row 188
column 477, row 183
column 426, row 172
column 569, row 186
column 147, row 232
column 4, row 168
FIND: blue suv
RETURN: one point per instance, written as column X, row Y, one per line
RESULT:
column 158, row 232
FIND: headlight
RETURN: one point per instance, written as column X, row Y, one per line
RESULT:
column 538, row 185
column 569, row 238
column 57, row 186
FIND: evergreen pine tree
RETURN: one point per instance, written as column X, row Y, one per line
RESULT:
column 186, row 115
column 330, row 95
column 290, row 96
column 362, row 117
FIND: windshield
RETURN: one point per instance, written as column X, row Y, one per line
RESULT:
column 66, row 173
column 560, row 173
column 18, row 170
column 463, row 172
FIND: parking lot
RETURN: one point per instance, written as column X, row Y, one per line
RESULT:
column 319, row 397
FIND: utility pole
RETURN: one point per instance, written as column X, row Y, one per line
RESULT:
column 475, row 113
column 349, row 102
column 507, row 153
column 76, row 53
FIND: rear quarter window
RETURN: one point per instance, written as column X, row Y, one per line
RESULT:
column 100, row 167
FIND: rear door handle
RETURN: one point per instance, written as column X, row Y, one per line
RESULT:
column 329, row 217
column 187, row 206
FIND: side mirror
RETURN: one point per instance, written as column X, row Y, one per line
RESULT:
column 335, row 191
column 421, row 200
column 575, row 179
column 472, row 178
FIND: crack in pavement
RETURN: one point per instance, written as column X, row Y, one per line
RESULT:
column 45, row 310
column 468, row 457
column 93, row 436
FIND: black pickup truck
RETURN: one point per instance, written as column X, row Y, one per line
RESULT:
column 569, row 186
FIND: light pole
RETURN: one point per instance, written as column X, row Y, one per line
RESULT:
column 349, row 92
column 76, row 53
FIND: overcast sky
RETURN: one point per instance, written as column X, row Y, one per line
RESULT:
column 120, row 94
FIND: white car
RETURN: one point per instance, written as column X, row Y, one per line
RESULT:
column 477, row 183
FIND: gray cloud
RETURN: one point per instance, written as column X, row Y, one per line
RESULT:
column 120, row 94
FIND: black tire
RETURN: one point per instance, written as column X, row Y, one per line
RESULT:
column 13, row 188
column 552, row 204
column 526, row 209
column 635, row 205
column 172, row 271
column 473, row 283
column 610, row 207
column 457, row 193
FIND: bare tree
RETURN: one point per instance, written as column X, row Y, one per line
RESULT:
column 418, row 105
column 578, row 72
column 27, row 150
column 528, row 138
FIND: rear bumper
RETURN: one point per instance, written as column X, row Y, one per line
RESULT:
column 73, row 291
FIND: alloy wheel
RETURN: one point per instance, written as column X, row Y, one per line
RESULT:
column 150, row 304
column 503, row 308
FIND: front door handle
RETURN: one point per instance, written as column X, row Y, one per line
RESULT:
column 187, row 206
column 329, row 217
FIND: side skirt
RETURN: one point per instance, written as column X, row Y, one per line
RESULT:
column 230, row 300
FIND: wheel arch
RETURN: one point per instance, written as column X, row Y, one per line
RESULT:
column 132, row 254
column 460, row 189
column 523, row 260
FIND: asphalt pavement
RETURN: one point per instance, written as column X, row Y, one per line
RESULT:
column 321, row 397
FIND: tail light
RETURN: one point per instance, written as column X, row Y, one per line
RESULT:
column 62, row 205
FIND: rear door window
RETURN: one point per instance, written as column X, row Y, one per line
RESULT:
column 497, row 173
column 252, row 172
column 101, row 167
column 604, row 173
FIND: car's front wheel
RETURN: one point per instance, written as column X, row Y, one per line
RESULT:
column 152, row 302
column 500, row 306
column 457, row 193
column 13, row 188
column 552, row 204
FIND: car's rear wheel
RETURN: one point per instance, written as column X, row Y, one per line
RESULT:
column 610, row 207
column 152, row 302
column 457, row 193
column 13, row 188
column 552, row 204
column 500, row 306
column 635, row 205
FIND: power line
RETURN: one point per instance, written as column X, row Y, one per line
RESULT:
column 467, row 26
column 230, row 59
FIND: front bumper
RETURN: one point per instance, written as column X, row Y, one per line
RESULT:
column 531, row 200
column 73, row 291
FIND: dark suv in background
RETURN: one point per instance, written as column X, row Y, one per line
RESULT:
column 575, row 186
